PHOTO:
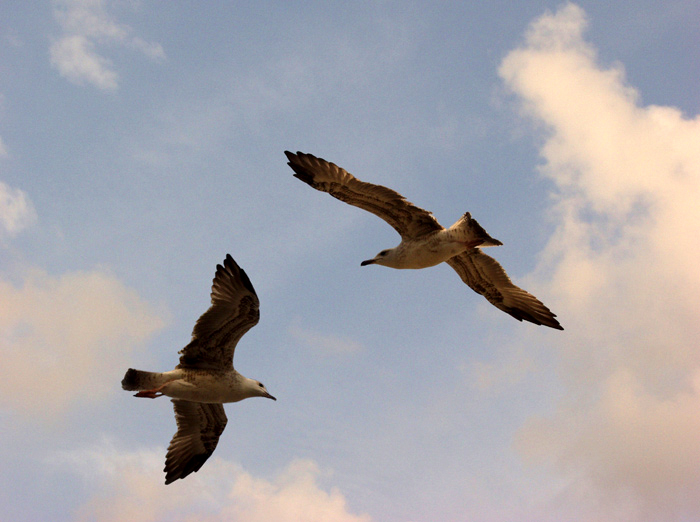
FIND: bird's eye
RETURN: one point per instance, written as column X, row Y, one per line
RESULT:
column 383, row 253
column 261, row 385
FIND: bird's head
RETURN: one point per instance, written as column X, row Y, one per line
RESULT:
column 257, row 389
column 385, row 257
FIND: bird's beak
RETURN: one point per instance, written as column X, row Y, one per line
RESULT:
column 368, row 262
column 270, row 397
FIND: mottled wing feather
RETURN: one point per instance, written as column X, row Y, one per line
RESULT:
column 406, row 218
column 199, row 427
column 487, row 277
column 235, row 309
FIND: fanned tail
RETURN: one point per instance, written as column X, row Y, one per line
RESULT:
column 472, row 231
column 135, row 380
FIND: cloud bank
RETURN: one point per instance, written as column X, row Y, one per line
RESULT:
column 623, row 270
column 86, row 25
column 74, row 331
column 130, row 487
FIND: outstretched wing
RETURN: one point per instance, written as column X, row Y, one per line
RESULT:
column 199, row 426
column 234, row 310
column 407, row 219
column 486, row 276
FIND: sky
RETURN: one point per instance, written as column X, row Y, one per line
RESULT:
column 140, row 142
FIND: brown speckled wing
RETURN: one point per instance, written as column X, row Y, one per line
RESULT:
column 234, row 310
column 487, row 277
column 199, row 427
column 406, row 218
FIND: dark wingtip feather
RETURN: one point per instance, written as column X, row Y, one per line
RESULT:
column 543, row 320
column 300, row 172
column 246, row 281
column 179, row 470
column 233, row 267
column 552, row 322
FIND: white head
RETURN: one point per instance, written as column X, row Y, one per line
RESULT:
column 256, row 389
column 388, row 257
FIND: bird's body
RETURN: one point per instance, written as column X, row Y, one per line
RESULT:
column 435, row 247
column 208, row 386
column 205, row 378
column 424, row 242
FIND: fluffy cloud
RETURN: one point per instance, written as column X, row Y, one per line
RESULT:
column 85, row 24
column 75, row 332
column 16, row 210
column 131, row 488
column 623, row 270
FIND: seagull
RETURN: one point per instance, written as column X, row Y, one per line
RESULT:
column 424, row 242
column 205, row 379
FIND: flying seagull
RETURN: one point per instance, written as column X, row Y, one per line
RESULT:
column 205, row 378
column 424, row 242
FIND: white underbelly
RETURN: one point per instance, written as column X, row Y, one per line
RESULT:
column 203, row 388
column 427, row 255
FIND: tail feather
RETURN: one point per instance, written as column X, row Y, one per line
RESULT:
column 135, row 380
column 472, row 230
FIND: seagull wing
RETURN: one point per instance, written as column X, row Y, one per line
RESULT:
column 199, row 427
column 407, row 219
column 486, row 276
column 234, row 310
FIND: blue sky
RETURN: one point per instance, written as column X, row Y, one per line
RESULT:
column 140, row 142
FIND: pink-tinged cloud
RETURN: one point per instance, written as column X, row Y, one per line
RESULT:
column 623, row 274
column 65, row 340
column 129, row 486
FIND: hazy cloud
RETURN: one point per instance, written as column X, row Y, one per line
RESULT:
column 16, row 210
column 324, row 343
column 74, row 331
column 75, row 58
column 623, row 274
column 495, row 376
column 130, row 487
column 85, row 25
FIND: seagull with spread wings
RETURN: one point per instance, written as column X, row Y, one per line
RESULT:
column 205, row 378
column 424, row 242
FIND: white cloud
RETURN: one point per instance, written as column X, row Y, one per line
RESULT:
column 130, row 487
column 623, row 271
column 75, row 57
column 16, row 210
column 85, row 24
column 66, row 339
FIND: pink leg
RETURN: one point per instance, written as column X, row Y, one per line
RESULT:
column 151, row 394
